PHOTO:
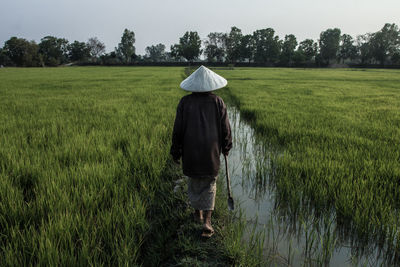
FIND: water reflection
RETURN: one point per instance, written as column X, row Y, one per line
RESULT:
column 297, row 236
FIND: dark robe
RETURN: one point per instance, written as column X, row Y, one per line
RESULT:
column 201, row 133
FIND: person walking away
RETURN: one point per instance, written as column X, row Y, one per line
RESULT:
column 201, row 133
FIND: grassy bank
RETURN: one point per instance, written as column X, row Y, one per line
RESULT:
column 339, row 130
column 85, row 174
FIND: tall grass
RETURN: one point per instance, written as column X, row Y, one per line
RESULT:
column 85, row 176
column 82, row 153
column 339, row 130
column 85, row 172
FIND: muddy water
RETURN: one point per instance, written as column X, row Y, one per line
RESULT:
column 288, row 241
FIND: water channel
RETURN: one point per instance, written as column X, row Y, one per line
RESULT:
column 310, row 241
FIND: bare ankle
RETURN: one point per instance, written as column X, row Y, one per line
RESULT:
column 208, row 217
column 199, row 213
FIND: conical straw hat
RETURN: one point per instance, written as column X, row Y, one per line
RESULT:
column 203, row 80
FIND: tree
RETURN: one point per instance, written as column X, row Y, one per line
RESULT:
column 156, row 53
column 96, row 48
column 4, row 59
column 329, row 44
column 188, row 47
column 169, row 57
column 54, row 50
column 246, row 47
column 288, row 49
column 396, row 58
column 233, row 44
column 267, row 46
column 347, row 49
column 110, row 59
column 215, row 46
column 78, row 51
column 308, row 48
column 299, row 57
column 126, row 49
column 21, row 52
column 385, row 43
column 364, row 48
column 175, row 52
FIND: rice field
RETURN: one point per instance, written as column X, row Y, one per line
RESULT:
column 86, row 178
column 339, row 132
column 82, row 152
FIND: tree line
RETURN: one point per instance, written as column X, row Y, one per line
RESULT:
column 262, row 47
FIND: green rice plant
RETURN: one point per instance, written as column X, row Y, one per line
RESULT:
column 327, row 242
column 85, row 172
column 245, row 243
column 339, row 133
column 82, row 151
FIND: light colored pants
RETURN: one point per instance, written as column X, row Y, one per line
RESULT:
column 201, row 192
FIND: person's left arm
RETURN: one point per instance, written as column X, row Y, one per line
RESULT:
column 177, row 134
column 226, row 130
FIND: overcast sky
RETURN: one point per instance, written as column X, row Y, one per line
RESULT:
column 164, row 21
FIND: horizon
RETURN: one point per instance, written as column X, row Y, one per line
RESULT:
column 155, row 23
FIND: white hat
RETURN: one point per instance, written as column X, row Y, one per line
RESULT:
column 203, row 80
